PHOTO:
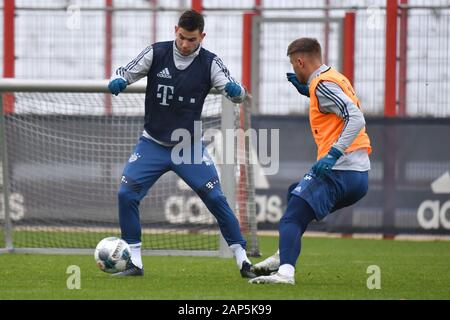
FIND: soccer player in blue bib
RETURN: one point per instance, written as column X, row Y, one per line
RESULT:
column 180, row 74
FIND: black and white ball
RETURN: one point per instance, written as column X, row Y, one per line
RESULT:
column 112, row 255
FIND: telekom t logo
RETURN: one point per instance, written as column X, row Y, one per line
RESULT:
column 167, row 94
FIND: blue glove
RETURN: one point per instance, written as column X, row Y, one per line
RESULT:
column 323, row 166
column 301, row 88
column 233, row 89
column 117, row 85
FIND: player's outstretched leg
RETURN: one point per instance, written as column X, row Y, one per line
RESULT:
column 292, row 226
column 272, row 263
column 140, row 173
column 131, row 230
column 203, row 179
column 216, row 202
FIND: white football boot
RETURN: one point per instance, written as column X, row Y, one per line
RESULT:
column 274, row 278
column 267, row 266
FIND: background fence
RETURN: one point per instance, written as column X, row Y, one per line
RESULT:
column 82, row 40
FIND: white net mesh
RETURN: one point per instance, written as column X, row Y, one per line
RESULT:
column 65, row 163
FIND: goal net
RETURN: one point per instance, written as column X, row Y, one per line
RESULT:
column 64, row 146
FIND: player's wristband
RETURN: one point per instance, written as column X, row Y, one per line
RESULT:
column 334, row 152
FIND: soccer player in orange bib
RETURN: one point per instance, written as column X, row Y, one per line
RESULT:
column 339, row 178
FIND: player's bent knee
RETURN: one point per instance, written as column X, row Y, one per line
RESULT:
column 364, row 190
column 298, row 211
column 127, row 196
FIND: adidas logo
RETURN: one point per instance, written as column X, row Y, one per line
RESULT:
column 164, row 74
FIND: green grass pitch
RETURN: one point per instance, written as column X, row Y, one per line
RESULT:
column 329, row 268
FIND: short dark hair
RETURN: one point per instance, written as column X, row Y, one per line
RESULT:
column 305, row 45
column 191, row 20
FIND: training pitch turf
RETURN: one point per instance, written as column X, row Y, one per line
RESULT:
column 329, row 268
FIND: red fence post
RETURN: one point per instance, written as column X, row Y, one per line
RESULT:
column 247, row 45
column 390, row 102
column 247, row 51
column 8, row 51
column 390, row 161
column 258, row 6
column 197, row 5
column 348, row 67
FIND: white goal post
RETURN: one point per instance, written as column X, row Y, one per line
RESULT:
column 63, row 146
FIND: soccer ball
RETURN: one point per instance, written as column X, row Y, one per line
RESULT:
column 112, row 255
